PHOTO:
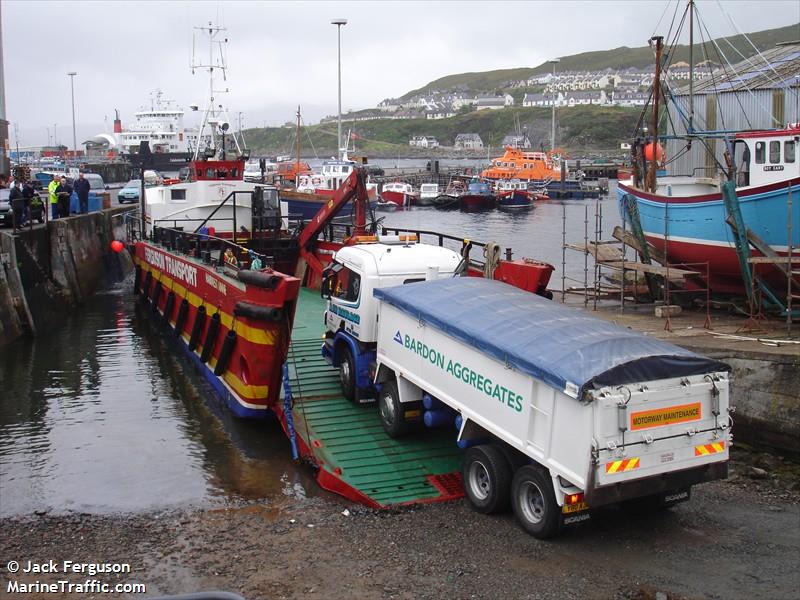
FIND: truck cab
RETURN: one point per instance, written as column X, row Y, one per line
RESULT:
column 351, row 313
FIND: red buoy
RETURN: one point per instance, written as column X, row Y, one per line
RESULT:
column 117, row 246
column 648, row 152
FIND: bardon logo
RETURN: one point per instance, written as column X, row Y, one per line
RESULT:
column 398, row 338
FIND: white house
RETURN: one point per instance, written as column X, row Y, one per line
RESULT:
column 491, row 103
column 423, row 141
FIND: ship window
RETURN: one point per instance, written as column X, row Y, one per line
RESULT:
column 775, row 152
column 761, row 153
column 788, row 151
column 177, row 194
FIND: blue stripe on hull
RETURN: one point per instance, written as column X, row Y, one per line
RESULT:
column 308, row 208
column 765, row 214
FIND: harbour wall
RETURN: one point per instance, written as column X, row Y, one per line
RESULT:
column 50, row 269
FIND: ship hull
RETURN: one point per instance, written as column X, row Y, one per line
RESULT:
column 693, row 230
column 256, row 318
column 477, row 202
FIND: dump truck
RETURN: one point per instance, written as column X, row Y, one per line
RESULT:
column 559, row 412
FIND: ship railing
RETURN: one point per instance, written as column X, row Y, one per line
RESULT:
column 212, row 250
column 444, row 240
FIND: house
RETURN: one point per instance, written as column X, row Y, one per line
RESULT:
column 594, row 98
column 468, row 141
column 626, row 98
column 541, row 100
column 491, row 103
column 388, row 105
column 517, row 140
column 423, row 141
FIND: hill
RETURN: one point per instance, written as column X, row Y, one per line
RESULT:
column 618, row 58
column 581, row 130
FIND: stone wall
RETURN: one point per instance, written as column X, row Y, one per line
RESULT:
column 54, row 268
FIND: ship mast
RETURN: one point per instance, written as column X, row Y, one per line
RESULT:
column 650, row 183
column 297, row 144
column 691, row 66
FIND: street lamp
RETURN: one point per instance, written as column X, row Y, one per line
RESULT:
column 554, row 62
column 339, row 23
column 74, row 137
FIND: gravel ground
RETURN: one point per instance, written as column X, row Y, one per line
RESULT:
column 738, row 538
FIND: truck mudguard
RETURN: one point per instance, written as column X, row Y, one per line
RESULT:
column 568, row 349
column 362, row 356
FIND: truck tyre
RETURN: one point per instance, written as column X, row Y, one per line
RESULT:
column 486, row 474
column 534, row 502
column 347, row 373
column 391, row 410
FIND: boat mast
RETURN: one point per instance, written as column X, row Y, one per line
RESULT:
column 651, row 172
column 297, row 144
column 212, row 31
column 691, row 66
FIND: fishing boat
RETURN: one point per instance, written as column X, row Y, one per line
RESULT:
column 451, row 196
column 400, row 193
column 513, row 194
column 478, row 197
column 734, row 205
column 428, row 193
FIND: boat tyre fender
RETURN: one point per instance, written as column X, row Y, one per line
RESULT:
column 137, row 280
column 148, row 279
column 486, row 474
column 259, row 313
column 155, row 297
column 534, row 502
column 197, row 328
column 169, row 305
column 258, row 279
column 180, row 320
column 225, row 353
column 211, row 338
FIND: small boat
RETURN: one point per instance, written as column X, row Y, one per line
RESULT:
column 385, row 206
column 478, row 197
column 513, row 194
column 428, row 193
column 451, row 196
column 400, row 193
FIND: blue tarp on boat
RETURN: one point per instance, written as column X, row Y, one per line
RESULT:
column 566, row 348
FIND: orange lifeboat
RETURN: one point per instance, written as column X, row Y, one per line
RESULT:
column 518, row 164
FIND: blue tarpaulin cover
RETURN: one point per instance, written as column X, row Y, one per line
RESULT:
column 566, row 348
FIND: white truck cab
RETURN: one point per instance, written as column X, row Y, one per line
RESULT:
column 351, row 315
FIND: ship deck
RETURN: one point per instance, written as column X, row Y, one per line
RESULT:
column 355, row 456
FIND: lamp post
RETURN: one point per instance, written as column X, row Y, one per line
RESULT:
column 553, row 123
column 74, row 137
column 339, row 23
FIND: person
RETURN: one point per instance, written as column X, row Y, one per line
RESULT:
column 82, row 190
column 28, row 195
column 17, row 204
column 51, row 192
column 63, row 191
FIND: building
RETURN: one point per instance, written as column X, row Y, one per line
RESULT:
column 517, row 140
column 423, row 141
column 628, row 98
column 749, row 95
column 587, row 98
column 541, row 100
column 468, row 141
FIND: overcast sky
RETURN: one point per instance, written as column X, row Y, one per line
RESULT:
column 282, row 54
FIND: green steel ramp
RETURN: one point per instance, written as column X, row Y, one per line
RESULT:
column 355, row 456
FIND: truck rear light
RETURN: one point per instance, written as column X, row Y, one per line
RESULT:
column 571, row 499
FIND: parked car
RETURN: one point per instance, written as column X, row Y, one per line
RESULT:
column 130, row 193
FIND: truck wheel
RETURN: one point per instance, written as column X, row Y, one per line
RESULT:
column 534, row 502
column 391, row 410
column 486, row 474
column 347, row 373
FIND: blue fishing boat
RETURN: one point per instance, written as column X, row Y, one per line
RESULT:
column 478, row 197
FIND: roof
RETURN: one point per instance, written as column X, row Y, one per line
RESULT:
column 398, row 259
column 778, row 69
column 567, row 348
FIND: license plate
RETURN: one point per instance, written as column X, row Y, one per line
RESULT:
column 573, row 508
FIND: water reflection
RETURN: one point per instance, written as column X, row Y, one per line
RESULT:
column 99, row 415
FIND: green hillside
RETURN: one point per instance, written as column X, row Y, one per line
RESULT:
column 581, row 130
column 618, row 58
